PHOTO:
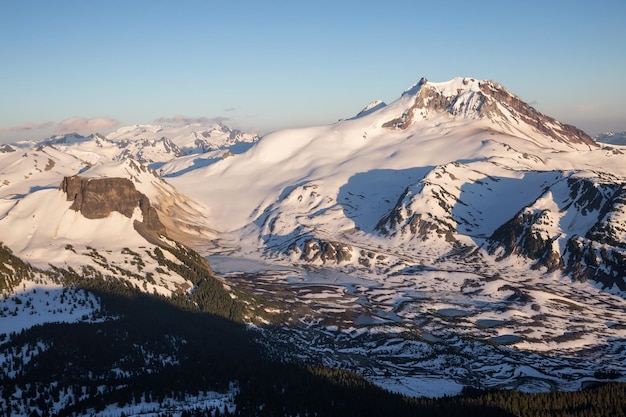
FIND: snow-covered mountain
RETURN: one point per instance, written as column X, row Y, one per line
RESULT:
column 612, row 138
column 447, row 164
column 188, row 139
column 456, row 227
column 150, row 144
column 115, row 207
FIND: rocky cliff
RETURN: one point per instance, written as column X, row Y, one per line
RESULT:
column 585, row 237
column 96, row 198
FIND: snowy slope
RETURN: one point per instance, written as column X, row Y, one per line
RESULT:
column 27, row 169
column 469, row 142
column 43, row 229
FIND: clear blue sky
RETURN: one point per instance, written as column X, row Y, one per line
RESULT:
column 268, row 65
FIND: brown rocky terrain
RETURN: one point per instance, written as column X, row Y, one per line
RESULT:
column 96, row 198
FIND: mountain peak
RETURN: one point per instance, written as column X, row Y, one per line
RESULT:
column 371, row 108
column 470, row 98
column 412, row 90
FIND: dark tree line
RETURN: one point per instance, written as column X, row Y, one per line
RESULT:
column 12, row 269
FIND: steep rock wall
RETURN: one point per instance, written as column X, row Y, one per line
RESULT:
column 96, row 198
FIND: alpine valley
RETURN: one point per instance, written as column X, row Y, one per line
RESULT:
column 453, row 239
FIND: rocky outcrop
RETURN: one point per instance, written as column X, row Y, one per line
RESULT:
column 420, row 226
column 422, row 212
column 519, row 236
column 96, row 198
column 594, row 248
column 600, row 255
column 6, row 149
column 590, row 260
column 321, row 250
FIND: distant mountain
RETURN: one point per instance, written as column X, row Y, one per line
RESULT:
column 153, row 143
column 372, row 107
column 455, row 230
column 192, row 138
column 612, row 138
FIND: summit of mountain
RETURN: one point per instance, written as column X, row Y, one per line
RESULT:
column 486, row 100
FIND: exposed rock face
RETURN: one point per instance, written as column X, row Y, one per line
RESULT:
column 588, row 260
column 405, row 219
column 597, row 252
column 421, row 226
column 600, row 255
column 519, row 236
column 6, row 149
column 96, row 198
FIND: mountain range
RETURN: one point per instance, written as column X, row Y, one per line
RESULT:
column 455, row 237
column 613, row 138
